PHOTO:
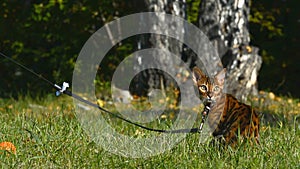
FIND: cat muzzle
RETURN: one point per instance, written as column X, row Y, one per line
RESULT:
column 208, row 100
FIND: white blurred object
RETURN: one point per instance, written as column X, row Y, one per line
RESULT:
column 121, row 95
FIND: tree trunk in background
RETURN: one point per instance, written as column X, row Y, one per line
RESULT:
column 225, row 22
column 150, row 79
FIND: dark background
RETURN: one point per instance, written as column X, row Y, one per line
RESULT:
column 48, row 35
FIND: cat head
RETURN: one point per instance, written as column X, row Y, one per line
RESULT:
column 210, row 90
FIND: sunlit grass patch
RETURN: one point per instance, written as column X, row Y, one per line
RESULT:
column 47, row 134
column 277, row 110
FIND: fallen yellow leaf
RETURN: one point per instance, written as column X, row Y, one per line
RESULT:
column 8, row 146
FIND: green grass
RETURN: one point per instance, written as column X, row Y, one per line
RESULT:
column 47, row 134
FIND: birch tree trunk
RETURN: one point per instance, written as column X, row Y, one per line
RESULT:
column 226, row 23
column 153, row 78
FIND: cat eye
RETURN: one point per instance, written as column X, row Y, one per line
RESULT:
column 217, row 88
column 203, row 88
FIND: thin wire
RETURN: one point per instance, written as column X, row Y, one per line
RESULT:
column 29, row 70
column 69, row 93
column 192, row 130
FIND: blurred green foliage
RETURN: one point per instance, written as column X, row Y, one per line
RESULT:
column 48, row 35
column 192, row 11
column 274, row 26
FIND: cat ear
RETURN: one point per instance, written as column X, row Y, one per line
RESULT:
column 220, row 77
column 197, row 74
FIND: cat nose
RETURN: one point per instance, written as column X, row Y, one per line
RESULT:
column 209, row 100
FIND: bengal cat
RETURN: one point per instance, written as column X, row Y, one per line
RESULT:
column 228, row 118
